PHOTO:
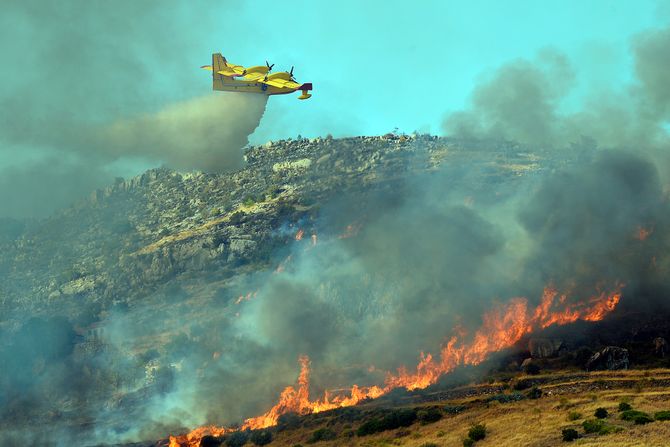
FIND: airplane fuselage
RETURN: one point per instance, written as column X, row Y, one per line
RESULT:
column 234, row 85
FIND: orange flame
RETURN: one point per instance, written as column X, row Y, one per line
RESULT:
column 350, row 231
column 501, row 328
column 642, row 233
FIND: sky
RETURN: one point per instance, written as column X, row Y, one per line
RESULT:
column 92, row 90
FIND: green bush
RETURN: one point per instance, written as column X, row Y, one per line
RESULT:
column 322, row 434
column 369, row 427
column 569, row 434
column 593, row 425
column 477, row 432
column 261, row 437
column 429, row 415
column 623, row 406
column 601, row 413
column 534, row 393
column 468, row 442
column 639, row 417
column 398, row 418
column 642, row 419
column 574, row 415
column 662, row 415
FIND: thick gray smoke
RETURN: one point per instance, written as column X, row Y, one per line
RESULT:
column 426, row 258
column 524, row 101
column 94, row 90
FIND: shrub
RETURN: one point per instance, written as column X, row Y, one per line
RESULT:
column 398, row 418
column 428, row 444
column 506, row 398
column 534, row 393
column 601, row 413
column 593, row 425
column 468, row 442
column 642, row 419
column 522, row 384
column 477, row 432
column 623, row 406
column 454, row 409
column 532, row 369
column 429, row 415
column 662, row 415
column 369, row 427
column 209, row 441
column 574, row 415
column 288, row 421
column 237, row 439
column 569, row 434
column 322, row 434
column 261, row 437
column 237, row 218
column 639, row 417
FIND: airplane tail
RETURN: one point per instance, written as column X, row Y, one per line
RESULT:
column 218, row 64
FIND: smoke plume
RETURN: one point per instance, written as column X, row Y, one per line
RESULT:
column 524, row 101
column 94, row 90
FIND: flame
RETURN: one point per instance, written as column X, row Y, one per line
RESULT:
column 246, row 297
column 297, row 400
column 501, row 328
column 350, row 231
column 642, row 233
column 193, row 438
column 299, row 234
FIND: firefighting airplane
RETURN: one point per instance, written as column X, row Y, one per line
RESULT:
column 253, row 79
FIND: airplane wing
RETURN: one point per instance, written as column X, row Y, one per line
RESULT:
column 254, row 76
column 281, row 83
column 221, row 66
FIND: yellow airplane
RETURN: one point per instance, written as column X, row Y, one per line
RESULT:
column 253, row 79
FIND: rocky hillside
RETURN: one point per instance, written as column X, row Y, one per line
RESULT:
column 130, row 239
column 131, row 294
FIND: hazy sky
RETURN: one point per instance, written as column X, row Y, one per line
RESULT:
column 90, row 89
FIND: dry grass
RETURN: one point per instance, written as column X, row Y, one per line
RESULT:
column 534, row 423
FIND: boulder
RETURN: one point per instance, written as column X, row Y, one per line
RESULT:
column 542, row 348
column 241, row 249
column 609, row 358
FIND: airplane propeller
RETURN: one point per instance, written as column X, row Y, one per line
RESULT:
column 291, row 72
column 269, row 66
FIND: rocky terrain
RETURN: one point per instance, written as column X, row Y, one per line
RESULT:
column 139, row 234
column 165, row 248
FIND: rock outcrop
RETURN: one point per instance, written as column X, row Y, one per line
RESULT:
column 609, row 358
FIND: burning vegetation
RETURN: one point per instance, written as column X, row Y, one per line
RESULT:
column 502, row 328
